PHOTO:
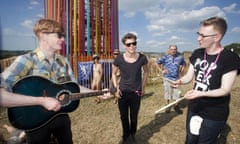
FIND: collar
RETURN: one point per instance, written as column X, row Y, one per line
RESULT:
column 41, row 56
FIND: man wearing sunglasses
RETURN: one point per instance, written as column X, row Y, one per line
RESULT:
column 44, row 61
column 214, row 70
column 132, row 66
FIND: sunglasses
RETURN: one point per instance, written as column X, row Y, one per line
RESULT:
column 204, row 36
column 129, row 44
column 59, row 34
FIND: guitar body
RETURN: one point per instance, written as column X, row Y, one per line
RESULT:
column 30, row 118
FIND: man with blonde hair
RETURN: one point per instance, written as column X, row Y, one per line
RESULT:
column 44, row 61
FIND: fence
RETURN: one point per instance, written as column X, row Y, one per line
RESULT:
column 4, row 63
column 83, row 68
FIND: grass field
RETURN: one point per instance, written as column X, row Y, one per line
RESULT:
column 100, row 123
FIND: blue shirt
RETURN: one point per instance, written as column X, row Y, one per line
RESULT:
column 172, row 64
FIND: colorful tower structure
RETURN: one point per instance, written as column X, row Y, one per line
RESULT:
column 91, row 27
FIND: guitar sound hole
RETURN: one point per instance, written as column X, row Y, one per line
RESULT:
column 64, row 97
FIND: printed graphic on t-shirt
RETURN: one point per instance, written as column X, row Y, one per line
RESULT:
column 204, row 74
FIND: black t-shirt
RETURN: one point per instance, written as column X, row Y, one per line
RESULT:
column 131, row 73
column 212, row 108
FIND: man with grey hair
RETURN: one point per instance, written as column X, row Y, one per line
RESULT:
column 172, row 64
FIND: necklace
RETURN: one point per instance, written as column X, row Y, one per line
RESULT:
column 207, row 71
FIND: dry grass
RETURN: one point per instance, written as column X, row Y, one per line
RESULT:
column 100, row 123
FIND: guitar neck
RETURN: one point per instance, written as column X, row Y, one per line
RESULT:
column 77, row 96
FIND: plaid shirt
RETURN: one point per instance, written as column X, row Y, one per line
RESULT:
column 36, row 63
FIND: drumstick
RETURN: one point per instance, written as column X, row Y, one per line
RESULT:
column 169, row 105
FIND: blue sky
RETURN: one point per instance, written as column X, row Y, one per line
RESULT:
column 157, row 23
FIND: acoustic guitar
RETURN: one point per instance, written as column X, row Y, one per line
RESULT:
column 30, row 118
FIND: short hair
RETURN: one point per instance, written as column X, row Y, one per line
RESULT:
column 48, row 26
column 95, row 56
column 128, row 36
column 218, row 24
column 172, row 46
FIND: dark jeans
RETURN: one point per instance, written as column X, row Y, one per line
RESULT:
column 60, row 127
column 130, row 102
column 209, row 131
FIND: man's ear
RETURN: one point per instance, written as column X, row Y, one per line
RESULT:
column 42, row 36
column 218, row 37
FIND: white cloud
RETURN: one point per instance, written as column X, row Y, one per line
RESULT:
column 40, row 15
column 236, row 29
column 169, row 21
column 129, row 14
column 164, row 21
column 181, row 4
column 231, row 8
column 175, row 38
column 131, row 7
column 33, row 5
column 165, row 16
column 27, row 24
column 137, row 5
column 143, row 5
column 155, row 45
column 34, row 2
